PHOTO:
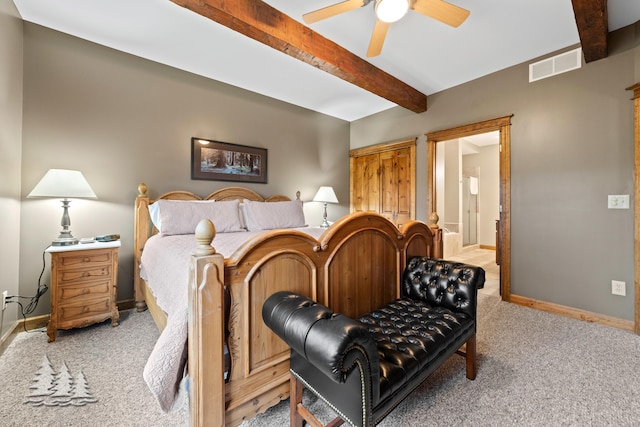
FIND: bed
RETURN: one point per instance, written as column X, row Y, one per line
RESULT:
column 236, row 366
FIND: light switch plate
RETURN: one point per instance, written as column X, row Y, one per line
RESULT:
column 618, row 201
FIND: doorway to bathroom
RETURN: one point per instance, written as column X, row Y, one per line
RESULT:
column 467, row 192
column 469, row 196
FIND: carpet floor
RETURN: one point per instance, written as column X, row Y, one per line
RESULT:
column 111, row 361
column 535, row 369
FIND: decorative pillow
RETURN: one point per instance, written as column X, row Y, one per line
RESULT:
column 182, row 216
column 272, row 215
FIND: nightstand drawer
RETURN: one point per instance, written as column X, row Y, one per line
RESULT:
column 80, row 259
column 84, row 291
column 83, row 310
column 86, row 275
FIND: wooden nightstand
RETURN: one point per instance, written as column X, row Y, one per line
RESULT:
column 83, row 285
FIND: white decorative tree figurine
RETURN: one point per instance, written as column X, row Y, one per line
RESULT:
column 62, row 388
column 58, row 389
column 42, row 383
column 81, row 392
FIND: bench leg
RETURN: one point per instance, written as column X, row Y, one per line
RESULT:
column 295, row 399
column 472, row 364
column 298, row 414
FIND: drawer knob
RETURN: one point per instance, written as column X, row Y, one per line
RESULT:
column 86, row 259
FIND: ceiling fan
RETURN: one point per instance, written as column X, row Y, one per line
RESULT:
column 389, row 11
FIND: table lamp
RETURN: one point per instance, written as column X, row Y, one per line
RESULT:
column 64, row 184
column 325, row 195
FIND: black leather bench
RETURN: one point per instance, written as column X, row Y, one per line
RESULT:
column 363, row 368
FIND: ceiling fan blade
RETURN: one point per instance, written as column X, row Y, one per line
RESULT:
column 329, row 11
column 377, row 38
column 442, row 11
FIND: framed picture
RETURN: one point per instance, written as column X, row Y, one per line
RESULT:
column 221, row 161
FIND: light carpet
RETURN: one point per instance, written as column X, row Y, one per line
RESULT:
column 111, row 361
column 535, row 369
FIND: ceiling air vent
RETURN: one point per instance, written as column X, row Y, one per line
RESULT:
column 558, row 64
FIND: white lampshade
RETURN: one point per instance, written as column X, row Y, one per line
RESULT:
column 391, row 10
column 325, row 194
column 63, row 183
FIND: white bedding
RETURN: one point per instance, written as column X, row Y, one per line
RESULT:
column 165, row 268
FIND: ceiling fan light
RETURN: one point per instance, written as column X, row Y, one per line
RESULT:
column 391, row 10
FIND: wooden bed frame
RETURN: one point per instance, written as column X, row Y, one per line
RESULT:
column 354, row 267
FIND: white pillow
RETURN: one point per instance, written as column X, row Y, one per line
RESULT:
column 182, row 216
column 272, row 215
column 154, row 214
column 243, row 216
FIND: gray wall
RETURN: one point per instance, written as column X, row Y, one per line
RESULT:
column 123, row 120
column 572, row 145
column 10, row 143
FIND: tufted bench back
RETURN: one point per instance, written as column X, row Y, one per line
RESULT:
column 443, row 283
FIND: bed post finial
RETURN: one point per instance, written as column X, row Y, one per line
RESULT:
column 205, row 232
column 142, row 189
column 298, row 195
column 433, row 220
column 438, row 248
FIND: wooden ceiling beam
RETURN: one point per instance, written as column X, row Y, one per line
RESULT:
column 593, row 27
column 262, row 22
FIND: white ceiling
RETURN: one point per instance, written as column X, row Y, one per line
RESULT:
column 483, row 139
column 420, row 51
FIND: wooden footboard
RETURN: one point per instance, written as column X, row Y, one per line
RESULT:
column 353, row 267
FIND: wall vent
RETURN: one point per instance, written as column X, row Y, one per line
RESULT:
column 558, row 64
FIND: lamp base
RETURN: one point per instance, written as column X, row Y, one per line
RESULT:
column 325, row 223
column 65, row 238
column 67, row 241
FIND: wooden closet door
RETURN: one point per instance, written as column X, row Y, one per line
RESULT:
column 365, row 186
column 383, row 180
column 396, row 186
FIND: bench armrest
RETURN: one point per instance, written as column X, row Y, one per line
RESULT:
column 448, row 284
column 330, row 341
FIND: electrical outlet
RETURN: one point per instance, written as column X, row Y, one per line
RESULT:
column 618, row 288
column 4, row 299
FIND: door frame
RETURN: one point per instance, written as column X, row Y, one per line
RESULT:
column 636, row 207
column 503, row 125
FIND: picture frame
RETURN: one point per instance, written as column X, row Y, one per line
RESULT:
column 222, row 161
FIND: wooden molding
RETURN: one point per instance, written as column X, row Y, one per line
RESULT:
column 379, row 148
column 592, row 21
column 636, row 216
column 261, row 22
column 574, row 313
column 470, row 129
